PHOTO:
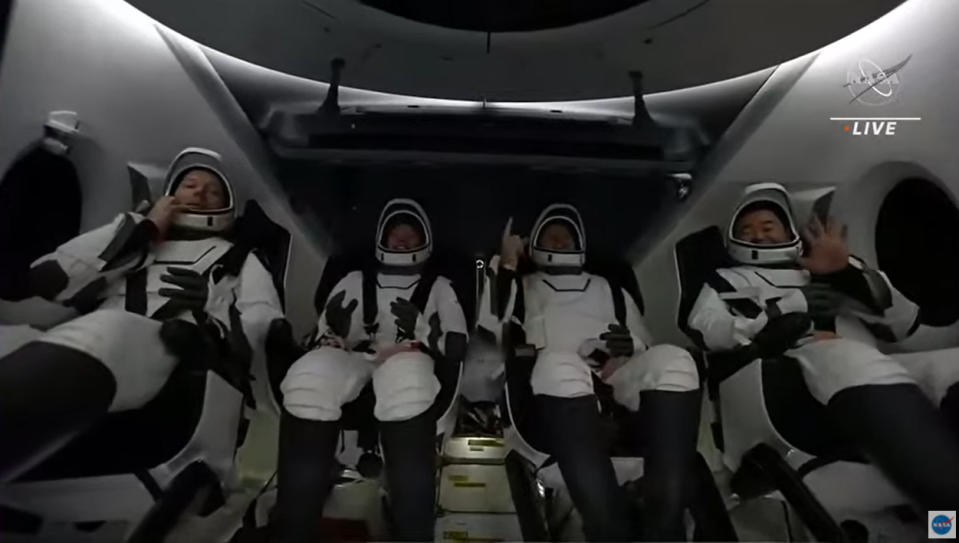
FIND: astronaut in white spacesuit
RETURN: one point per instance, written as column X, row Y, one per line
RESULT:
column 589, row 333
column 174, row 286
column 389, row 325
column 824, row 308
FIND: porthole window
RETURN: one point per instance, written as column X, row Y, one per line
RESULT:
column 39, row 210
column 917, row 246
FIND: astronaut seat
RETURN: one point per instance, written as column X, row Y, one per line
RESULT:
column 354, row 504
column 146, row 466
column 530, row 453
column 773, row 434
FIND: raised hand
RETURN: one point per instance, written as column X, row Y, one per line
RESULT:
column 826, row 249
column 512, row 246
column 162, row 214
column 192, row 292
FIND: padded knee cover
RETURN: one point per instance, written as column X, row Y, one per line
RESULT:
column 405, row 386
column 321, row 381
column 663, row 367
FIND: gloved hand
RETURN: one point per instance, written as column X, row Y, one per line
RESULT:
column 193, row 289
column 406, row 314
column 619, row 342
column 780, row 334
column 822, row 301
column 338, row 316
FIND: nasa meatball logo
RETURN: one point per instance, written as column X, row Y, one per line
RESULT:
column 942, row 525
column 871, row 84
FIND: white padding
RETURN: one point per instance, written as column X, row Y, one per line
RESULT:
column 128, row 345
column 561, row 374
column 836, row 364
column 12, row 337
column 321, row 381
column 405, row 386
column 663, row 367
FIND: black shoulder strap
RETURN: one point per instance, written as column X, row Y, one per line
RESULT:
column 369, row 300
column 743, row 306
column 421, row 294
column 619, row 302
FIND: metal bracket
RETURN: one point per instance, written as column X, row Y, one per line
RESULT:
column 59, row 128
column 331, row 104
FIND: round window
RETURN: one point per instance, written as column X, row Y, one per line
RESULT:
column 917, row 245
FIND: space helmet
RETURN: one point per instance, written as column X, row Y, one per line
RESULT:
column 406, row 211
column 771, row 196
column 206, row 220
column 551, row 259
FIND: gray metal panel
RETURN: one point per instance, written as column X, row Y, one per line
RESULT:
column 475, row 450
column 475, row 489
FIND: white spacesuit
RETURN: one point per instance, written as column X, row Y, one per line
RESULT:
column 583, row 327
column 319, row 383
column 390, row 325
column 768, row 284
column 131, row 285
column 758, row 302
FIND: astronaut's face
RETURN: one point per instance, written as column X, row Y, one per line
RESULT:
column 557, row 237
column 202, row 190
column 761, row 227
column 404, row 237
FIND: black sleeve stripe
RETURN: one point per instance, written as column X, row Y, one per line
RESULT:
column 131, row 241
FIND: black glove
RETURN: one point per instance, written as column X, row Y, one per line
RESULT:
column 338, row 316
column 618, row 340
column 822, row 300
column 781, row 334
column 406, row 314
column 193, row 291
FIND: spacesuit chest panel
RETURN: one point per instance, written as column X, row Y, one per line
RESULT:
column 763, row 284
column 388, row 289
column 564, row 311
column 197, row 255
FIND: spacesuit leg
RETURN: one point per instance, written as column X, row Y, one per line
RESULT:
column 304, row 476
column 406, row 387
column 409, row 450
column 48, row 394
column 112, row 361
column 878, row 404
column 574, row 438
column 906, row 436
column 314, row 390
column 663, row 383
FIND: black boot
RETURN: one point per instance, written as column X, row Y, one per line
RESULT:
column 950, row 408
column 573, row 431
column 706, row 504
column 304, row 477
column 409, row 450
column 669, row 422
column 900, row 430
column 48, row 394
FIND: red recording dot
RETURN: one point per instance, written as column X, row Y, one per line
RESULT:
column 846, row 128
